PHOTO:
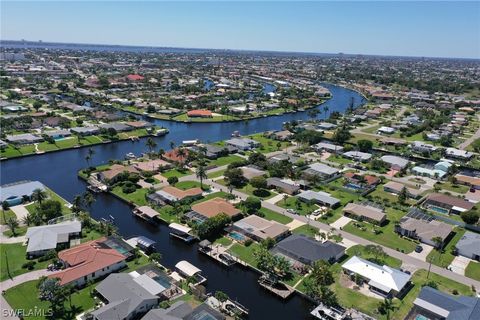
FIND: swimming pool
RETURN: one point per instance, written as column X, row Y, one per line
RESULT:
column 439, row 210
column 163, row 280
column 237, row 236
column 353, row 186
column 421, row 317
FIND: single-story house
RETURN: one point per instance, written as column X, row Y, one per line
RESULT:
column 15, row 193
column 242, row 143
column 446, row 204
column 88, row 261
column 152, row 165
column 470, row 181
column 85, row 131
column 420, row 146
column 321, row 170
column 383, row 280
column 115, row 170
column 24, row 138
column 182, row 310
column 200, row 113
column 319, row 197
column 284, row 157
column 458, row 154
column 125, row 297
column 469, row 246
column 329, row 147
column 396, row 188
column 385, row 130
column 423, row 227
column 58, row 134
column 117, row 126
column 173, row 155
column 211, row 208
column 41, row 239
column 357, row 155
column 171, row 194
column 250, row 172
column 282, row 135
column 139, row 124
column 302, row 250
column 326, row 126
column 434, row 304
column 361, row 180
column 260, row 229
column 365, row 212
column 396, row 163
column 283, row 185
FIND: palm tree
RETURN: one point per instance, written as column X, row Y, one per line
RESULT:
column 385, row 307
column 172, row 145
column 321, row 273
column 88, row 199
column 325, row 109
column 39, row 195
column 201, row 174
column 155, row 257
column 285, row 198
column 12, row 224
column 161, row 152
column 28, row 219
column 181, row 153
column 77, row 204
column 151, row 144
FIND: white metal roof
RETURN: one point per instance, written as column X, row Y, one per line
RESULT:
column 179, row 227
column 187, row 268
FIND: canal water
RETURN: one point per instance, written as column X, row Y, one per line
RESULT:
column 58, row 171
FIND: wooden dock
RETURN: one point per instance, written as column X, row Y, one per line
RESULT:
column 278, row 288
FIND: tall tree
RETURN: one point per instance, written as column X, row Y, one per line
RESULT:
column 201, row 174
column 38, row 195
column 13, row 224
column 151, row 144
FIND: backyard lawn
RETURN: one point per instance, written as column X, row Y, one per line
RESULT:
column 386, row 235
column 306, row 230
column 473, row 270
column 176, row 173
column 360, row 251
column 5, row 215
column 12, row 257
column 272, row 215
column 184, row 185
column 137, row 197
column 222, row 161
column 452, row 187
column 443, row 260
column 301, row 207
column 25, row 297
column 268, row 145
column 244, row 253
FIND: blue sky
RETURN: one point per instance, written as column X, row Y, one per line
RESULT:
column 439, row 29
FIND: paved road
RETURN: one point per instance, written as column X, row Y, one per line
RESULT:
column 6, row 311
column 474, row 137
column 407, row 261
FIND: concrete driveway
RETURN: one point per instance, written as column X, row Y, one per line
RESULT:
column 341, row 222
column 422, row 255
column 459, row 264
column 19, row 211
column 275, row 199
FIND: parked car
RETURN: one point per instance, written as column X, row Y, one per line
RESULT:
column 418, row 249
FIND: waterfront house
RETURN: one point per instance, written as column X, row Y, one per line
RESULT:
column 422, row 147
column 126, row 297
column 173, row 156
column 88, row 261
column 395, row 163
column 182, row 310
column 111, row 175
column 171, row 194
column 326, row 126
column 434, row 304
column 117, row 126
column 42, row 239
column 319, row 197
column 24, row 138
column 259, row 229
column 243, row 144
column 446, row 204
column 17, row 192
column 382, row 280
column 423, row 227
column 197, row 113
column 469, row 246
column 284, row 157
column 397, row 187
column 85, row 131
column 154, row 165
column 58, row 134
column 365, row 211
column 301, row 250
column 471, row 181
column 211, row 208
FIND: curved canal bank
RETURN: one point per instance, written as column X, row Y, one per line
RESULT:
column 59, row 172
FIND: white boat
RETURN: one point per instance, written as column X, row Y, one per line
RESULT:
column 130, row 155
column 190, row 142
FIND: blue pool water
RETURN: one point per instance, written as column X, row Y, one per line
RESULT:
column 237, row 236
column 162, row 280
column 353, row 186
column 420, row 317
column 439, row 210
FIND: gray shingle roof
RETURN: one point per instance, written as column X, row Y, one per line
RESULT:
column 307, row 250
column 470, row 242
column 19, row 189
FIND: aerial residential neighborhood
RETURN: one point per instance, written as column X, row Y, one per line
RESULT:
column 214, row 161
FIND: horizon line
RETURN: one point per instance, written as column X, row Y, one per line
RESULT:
column 239, row 50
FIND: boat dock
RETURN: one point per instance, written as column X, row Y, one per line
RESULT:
column 278, row 288
column 181, row 232
column 145, row 213
column 95, row 185
column 217, row 252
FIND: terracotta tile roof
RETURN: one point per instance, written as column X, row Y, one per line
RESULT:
column 180, row 194
column 85, row 259
column 152, row 165
column 370, row 180
column 215, row 206
column 116, row 169
column 172, row 155
column 134, row 77
column 199, row 113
